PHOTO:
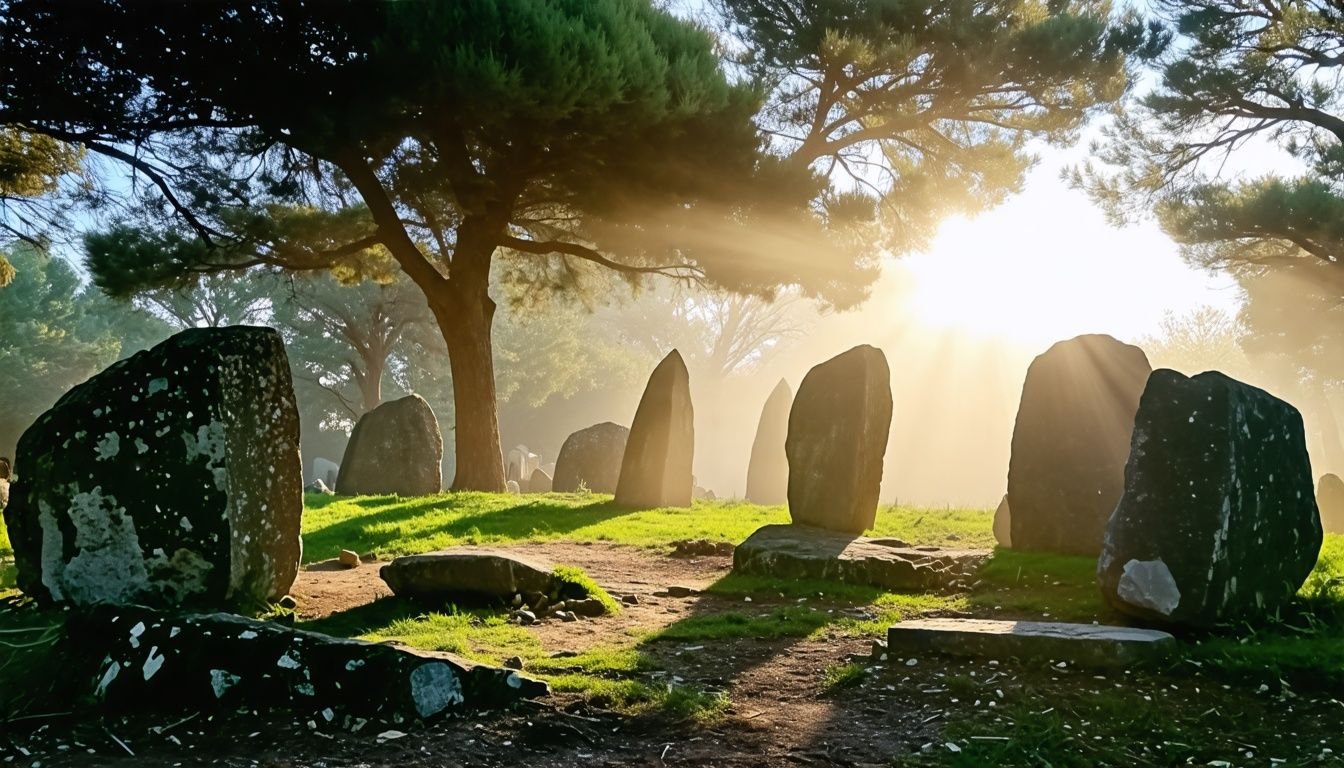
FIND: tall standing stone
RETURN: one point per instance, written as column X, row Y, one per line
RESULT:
column 395, row 448
column 656, row 468
column 1070, row 442
column 172, row 479
column 591, row 459
column 768, row 472
column 1330, row 500
column 838, row 429
column 1217, row 522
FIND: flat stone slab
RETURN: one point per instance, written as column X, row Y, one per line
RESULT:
column 805, row 552
column 1089, row 645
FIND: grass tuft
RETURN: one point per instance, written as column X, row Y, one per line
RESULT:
column 572, row 580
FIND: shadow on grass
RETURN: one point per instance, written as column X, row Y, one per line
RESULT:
column 469, row 518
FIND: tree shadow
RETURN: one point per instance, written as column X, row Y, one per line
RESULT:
column 464, row 523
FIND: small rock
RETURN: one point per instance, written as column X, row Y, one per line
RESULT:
column 677, row 591
column 591, row 607
column 349, row 558
column 567, row 616
column 525, row 617
column 288, row 602
column 564, row 654
column 514, row 662
column 630, row 599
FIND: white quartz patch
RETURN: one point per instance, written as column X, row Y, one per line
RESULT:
column 1149, row 584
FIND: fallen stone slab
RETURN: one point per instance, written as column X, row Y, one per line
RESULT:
column 1089, row 645
column 804, row 552
column 176, row 662
column 467, row 572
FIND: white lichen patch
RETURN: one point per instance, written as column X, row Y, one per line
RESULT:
column 288, row 662
column 109, row 675
column 136, row 632
column 153, row 663
column 141, row 447
column 1149, row 584
column 157, row 385
column 108, row 447
column 221, row 681
column 109, row 565
column 435, row 688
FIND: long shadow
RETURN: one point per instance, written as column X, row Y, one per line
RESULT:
column 379, row 528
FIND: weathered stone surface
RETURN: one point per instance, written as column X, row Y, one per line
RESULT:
column 512, row 487
column 804, row 552
column 171, row 478
column 838, row 430
column 1330, row 501
column 1087, row 645
column 395, row 448
column 1218, row 522
column 540, row 482
column 222, row 662
column 1003, row 523
column 1070, row 442
column 467, row 571
column 591, row 458
column 317, row 486
column 656, row 468
column 349, row 558
column 768, row 471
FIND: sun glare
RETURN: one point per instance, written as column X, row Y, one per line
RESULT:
column 1046, row 266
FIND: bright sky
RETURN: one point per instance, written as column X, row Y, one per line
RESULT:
column 1047, row 266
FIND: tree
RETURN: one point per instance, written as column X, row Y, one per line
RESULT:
column 343, row 339
column 915, row 110
column 54, row 333
column 1204, row 339
column 31, row 169
column 211, row 300
column 1248, row 78
column 570, row 130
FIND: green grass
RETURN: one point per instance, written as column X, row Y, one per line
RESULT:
column 1037, row 585
column 572, row 580
column 391, row 525
column 841, row 676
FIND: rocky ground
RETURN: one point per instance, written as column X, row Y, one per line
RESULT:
column 793, row 701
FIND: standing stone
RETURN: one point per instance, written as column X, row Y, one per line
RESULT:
column 1330, row 500
column 540, row 482
column 325, row 470
column 171, row 479
column 1070, row 442
column 1003, row 523
column 591, row 459
column 838, row 429
column 656, row 468
column 395, row 448
column 1217, row 522
column 768, row 472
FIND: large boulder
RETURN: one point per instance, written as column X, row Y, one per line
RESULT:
column 656, row 467
column 171, row 478
column 591, row 459
column 223, row 663
column 1217, row 522
column 1070, row 442
column 1330, row 500
column 838, row 430
column 395, row 448
column 470, row 572
column 768, row 472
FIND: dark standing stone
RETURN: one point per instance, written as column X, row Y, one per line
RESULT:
column 838, row 430
column 1217, row 522
column 656, row 468
column 1003, row 523
column 171, row 478
column 540, row 482
column 1330, row 500
column 395, row 448
column 591, row 458
column 1070, row 443
column 768, row 472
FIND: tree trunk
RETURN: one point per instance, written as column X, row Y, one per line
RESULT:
column 465, row 315
column 371, row 384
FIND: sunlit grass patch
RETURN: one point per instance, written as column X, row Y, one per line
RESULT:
column 838, row 677
column 1039, row 585
column 571, row 579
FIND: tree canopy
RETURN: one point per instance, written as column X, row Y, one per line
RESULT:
column 31, row 169
column 1250, row 79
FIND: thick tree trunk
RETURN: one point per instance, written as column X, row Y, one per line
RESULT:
column 465, row 314
column 371, row 383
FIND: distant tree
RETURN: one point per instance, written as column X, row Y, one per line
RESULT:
column 31, row 169
column 1244, row 76
column 212, row 300
column 570, row 131
column 54, row 333
column 1203, row 339
column 914, row 110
